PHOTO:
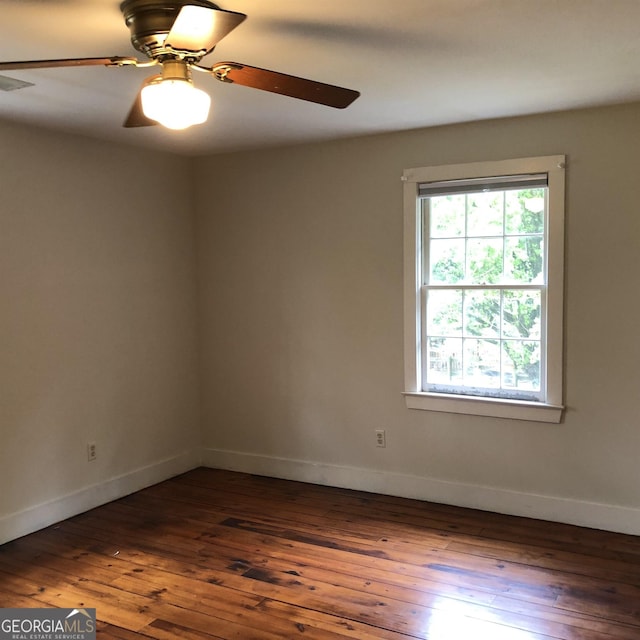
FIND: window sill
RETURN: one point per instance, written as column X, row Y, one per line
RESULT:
column 497, row 408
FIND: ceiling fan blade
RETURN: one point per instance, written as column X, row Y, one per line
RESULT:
column 292, row 86
column 199, row 29
column 72, row 62
column 136, row 117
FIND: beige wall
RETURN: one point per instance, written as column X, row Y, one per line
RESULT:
column 301, row 308
column 98, row 323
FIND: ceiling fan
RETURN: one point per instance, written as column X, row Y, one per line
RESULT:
column 176, row 35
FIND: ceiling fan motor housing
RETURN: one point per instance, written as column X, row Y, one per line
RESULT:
column 150, row 21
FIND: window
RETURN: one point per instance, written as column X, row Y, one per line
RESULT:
column 483, row 288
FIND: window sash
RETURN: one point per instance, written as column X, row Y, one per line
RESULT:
column 476, row 390
column 426, row 192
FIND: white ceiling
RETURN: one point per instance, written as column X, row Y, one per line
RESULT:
column 416, row 62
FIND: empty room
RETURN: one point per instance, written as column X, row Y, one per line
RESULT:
column 319, row 320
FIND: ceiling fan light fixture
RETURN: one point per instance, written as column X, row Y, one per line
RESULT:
column 175, row 104
column 172, row 99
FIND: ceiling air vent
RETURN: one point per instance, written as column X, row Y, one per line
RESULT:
column 11, row 84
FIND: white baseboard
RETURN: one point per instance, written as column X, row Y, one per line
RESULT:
column 587, row 514
column 20, row 523
column 542, row 507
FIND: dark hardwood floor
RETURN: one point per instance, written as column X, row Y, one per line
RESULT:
column 216, row 554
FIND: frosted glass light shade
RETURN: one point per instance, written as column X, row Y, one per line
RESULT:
column 175, row 104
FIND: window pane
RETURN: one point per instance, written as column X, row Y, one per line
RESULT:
column 484, row 260
column 523, row 259
column 444, row 313
column 524, row 211
column 447, row 216
column 482, row 363
column 444, row 360
column 485, row 213
column 521, row 314
column 482, row 313
column 446, row 261
column 521, row 364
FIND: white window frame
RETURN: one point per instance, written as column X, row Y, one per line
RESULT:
column 549, row 410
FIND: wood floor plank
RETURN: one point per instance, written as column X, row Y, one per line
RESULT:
column 212, row 555
column 567, row 561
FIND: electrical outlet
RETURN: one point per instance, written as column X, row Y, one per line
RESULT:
column 92, row 452
column 381, row 438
